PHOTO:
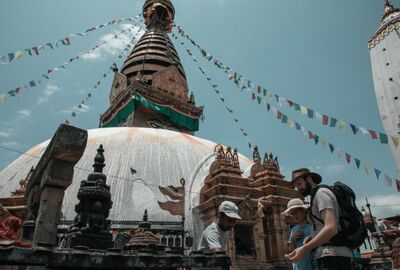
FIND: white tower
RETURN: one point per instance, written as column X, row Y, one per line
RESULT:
column 384, row 48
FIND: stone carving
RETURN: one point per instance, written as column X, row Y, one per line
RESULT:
column 91, row 227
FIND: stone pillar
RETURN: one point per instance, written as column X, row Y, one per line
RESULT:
column 52, row 176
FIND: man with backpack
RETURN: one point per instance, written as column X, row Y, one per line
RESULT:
column 337, row 225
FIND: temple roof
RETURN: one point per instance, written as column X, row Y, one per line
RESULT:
column 159, row 157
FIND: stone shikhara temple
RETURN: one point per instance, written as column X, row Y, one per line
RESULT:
column 113, row 197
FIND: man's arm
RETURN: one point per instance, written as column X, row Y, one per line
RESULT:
column 328, row 231
column 214, row 241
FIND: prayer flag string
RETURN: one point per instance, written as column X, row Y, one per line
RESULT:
column 66, row 41
column 260, row 93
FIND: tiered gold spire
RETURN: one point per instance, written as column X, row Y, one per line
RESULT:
column 389, row 9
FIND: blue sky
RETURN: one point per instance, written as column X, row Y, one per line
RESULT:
column 313, row 52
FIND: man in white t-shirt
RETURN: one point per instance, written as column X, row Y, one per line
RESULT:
column 215, row 236
column 328, row 253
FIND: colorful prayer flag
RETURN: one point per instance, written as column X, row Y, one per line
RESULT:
column 331, row 147
column 284, row 118
column 11, row 93
column 310, row 113
column 377, row 173
column 10, row 57
column 354, row 129
column 316, row 139
column 358, row 162
column 303, row 110
column 325, row 119
column 395, row 141
column 342, row 125
column 18, row 54
column 348, row 158
column 388, row 180
column 367, row 169
column 2, row 97
column 384, row 138
column 373, row 134
column 333, row 122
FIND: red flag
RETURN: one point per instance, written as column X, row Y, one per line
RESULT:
column 348, row 158
column 290, row 103
column 398, row 185
column 17, row 90
column 373, row 134
column 279, row 115
column 310, row 135
column 259, row 89
column 253, row 96
column 325, row 119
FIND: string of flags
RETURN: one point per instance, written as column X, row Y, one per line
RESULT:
column 38, row 81
column 318, row 140
column 36, row 50
column 259, row 92
column 81, row 106
column 217, row 92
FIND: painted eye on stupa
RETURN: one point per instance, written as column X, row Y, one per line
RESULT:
column 155, row 124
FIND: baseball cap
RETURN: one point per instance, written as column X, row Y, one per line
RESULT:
column 230, row 209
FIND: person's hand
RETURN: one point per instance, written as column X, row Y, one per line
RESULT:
column 297, row 235
column 307, row 239
column 298, row 254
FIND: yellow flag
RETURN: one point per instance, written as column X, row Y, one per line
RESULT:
column 290, row 123
column 323, row 143
column 303, row 109
column 368, row 169
column 395, row 141
column 2, row 97
column 18, row 54
column 342, row 125
column 260, row 209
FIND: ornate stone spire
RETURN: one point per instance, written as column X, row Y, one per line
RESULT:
column 389, row 9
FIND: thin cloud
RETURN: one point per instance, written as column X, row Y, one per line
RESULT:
column 47, row 93
column 382, row 205
column 24, row 114
column 10, row 144
column 5, row 134
column 113, row 46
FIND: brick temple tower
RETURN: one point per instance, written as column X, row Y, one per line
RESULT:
column 151, row 89
column 258, row 239
column 384, row 48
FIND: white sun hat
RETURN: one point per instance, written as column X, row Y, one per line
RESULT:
column 294, row 204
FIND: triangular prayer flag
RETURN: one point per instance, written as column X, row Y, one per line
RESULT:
column 384, row 138
column 373, row 134
column 268, row 106
column 331, row 147
column 2, row 97
column 290, row 103
column 32, row 83
column 354, row 129
column 10, row 57
column 395, row 141
column 236, row 120
column 290, row 123
column 367, row 169
column 342, row 125
column 358, row 162
column 316, row 139
column 363, row 130
column 310, row 135
column 310, row 113
column 259, row 89
column 264, row 92
column 303, row 109
column 279, row 115
column 50, row 45
column 73, row 114
column 398, row 185
column 388, row 180
column 36, row 50
column 18, row 54
column 259, row 100
column 17, row 90
column 377, row 173
column 325, row 119
column 322, row 142
column 297, row 107
column 318, row 116
column 4, row 59
column 11, row 93
column 333, row 122
column 297, row 125
column 284, row 118
column 348, row 158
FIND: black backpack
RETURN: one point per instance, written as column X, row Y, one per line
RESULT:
column 352, row 229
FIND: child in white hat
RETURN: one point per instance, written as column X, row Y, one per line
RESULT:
column 297, row 209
